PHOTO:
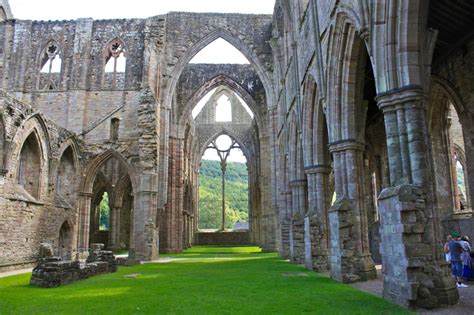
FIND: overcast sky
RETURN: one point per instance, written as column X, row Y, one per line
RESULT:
column 108, row 9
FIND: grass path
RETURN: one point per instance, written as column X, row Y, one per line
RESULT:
column 211, row 280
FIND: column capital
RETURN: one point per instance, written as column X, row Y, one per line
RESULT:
column 348, row 144
column 85, row 194
column 410, row 95
column 317, row 169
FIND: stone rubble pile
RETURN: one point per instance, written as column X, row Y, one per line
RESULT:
column 52, row 271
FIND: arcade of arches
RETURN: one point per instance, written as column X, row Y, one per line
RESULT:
column 355, row 118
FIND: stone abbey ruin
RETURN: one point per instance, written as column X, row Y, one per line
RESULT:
column 359, row 149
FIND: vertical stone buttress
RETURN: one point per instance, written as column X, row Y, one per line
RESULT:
column 268, row 218
column 350, row 255
column 173, row 216
column 145, row 215
column 415, row 273
column 84, row 205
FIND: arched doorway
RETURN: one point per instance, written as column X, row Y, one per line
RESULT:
column 108, row 199
column 65, row 241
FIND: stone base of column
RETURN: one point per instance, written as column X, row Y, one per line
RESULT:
column 413, row 278
column 316, row 253
column 285, row 238
column 149, row 250
column 347, row 264
column 82, row 254
column 298, row 240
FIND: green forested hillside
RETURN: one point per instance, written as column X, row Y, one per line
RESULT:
column 210, row 194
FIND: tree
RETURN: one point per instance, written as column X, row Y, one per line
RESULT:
column 210, row 206
column 104, row 222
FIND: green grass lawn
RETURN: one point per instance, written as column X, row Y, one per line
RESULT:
column 209, row 280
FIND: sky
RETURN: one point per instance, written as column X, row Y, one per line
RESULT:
column 108, row 9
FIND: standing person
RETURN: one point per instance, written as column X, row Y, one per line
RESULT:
column 446, row 249
column 455, row 249
column 466, row 258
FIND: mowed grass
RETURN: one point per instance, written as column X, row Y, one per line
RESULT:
column 205, row 280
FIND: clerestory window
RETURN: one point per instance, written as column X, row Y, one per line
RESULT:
column 115, row 61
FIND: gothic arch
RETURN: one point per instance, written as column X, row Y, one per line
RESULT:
column 220, row 80
column 109, row 51
column 70, row 143
column 400, row 29
column 37, row 122
column 450, row 138
column 94, row 166
column 65, row 240
column 86, row 191
column 206, row 40
column 44, row 53
column 229, row 133
column 123, row 184
column 67, row 168
column 310, row 98
column 32, row 128
column 442, row 85
column 347, row 51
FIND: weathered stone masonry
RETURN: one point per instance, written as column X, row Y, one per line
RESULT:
column 359, row 149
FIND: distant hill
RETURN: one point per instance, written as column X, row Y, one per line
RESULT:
column 210, row 194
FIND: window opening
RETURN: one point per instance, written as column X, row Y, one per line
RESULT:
column 104, row 221
column 115, row 59
column 51, row 59
column 223, row 109
column 114, row 129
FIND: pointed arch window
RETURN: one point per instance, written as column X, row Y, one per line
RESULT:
column 3, row 14
column 65, row 179
column 50, row 66
column 115, row 60
column 29, row 166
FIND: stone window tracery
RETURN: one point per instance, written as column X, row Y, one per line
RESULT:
column 115, row 60
column 50, row 66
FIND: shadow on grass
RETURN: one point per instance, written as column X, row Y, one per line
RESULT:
column 237, row 282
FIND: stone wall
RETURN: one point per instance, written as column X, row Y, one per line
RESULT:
column 37, row 218
column 222, row 238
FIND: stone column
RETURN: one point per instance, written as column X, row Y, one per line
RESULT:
column 411, row 279
column 284, row 225
column 350, row 254
column 298, row 193
column 415, row 273
column 84, row 206
column 316, row 226
column 406, row 133
column 114, row 233
column 145, row 228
